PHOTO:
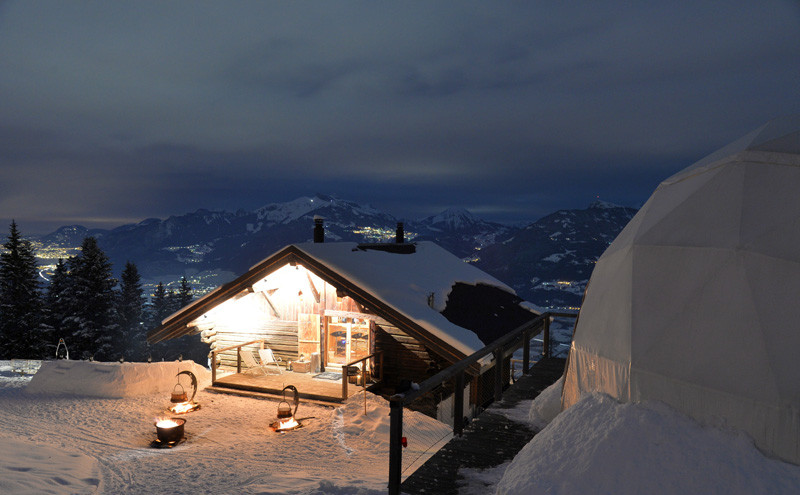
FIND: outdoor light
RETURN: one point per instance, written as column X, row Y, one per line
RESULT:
column 181, row 402
column 169, row 432
column 286, row 420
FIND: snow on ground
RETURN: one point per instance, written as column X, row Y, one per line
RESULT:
column 52, row 442
column 114, row 380
column 64, row 443
column 601, row 446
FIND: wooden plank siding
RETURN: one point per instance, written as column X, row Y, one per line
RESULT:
column 405, row 358
column 280, row 336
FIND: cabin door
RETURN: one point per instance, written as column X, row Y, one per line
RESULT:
column 348, row 340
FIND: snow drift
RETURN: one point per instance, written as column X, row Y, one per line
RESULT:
column 113, row 380
column 601, row 446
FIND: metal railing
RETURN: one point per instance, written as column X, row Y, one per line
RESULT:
column 500, row 349
column 365, row 374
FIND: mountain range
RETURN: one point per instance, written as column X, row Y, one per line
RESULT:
column 547, row 262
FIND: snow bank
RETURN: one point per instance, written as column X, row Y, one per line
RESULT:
column 113, row 380
column 546, row 406
column 36, row 468
column 371, row 430
column 601, row 446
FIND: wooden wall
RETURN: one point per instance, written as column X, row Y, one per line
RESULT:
column 404, row 357
column 276, row 313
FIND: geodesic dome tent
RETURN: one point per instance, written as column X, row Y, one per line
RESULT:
column 697, row 301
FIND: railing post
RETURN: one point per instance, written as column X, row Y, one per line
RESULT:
column 345, row 378
column 526, row 351
column 395, row 444
column 546, row 336
column 213, row 367
column 458, row 405
column 498, row 374
column 239, row 359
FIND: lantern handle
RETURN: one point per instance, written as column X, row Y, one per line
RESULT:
column 194, row 382
column 296, row 396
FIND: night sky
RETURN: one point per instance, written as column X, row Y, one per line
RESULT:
column 112, row 112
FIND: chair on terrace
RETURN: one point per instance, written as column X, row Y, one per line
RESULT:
column 270, row 362
column 265, row 367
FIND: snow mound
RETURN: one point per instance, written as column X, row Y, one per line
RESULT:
column 113, row 380
column 601, row 446
column 371, row 430
column 546, row 406
column 28, row 467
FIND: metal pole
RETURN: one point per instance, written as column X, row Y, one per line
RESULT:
column 546, row 337
column 458, row 405
column 526, row 351
column 498, row 374
column 395, row 445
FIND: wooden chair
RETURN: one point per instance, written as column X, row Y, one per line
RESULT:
column 250, row 363
column 270, row 362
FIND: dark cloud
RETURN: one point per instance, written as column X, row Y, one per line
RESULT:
column 117, row 112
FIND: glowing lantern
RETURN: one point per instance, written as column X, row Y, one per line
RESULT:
column 286, row 420
column 181, row 402
column 169, row 432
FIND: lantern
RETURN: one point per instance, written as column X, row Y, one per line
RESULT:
column 286, row 420
column 169, row 432
column 181, row 402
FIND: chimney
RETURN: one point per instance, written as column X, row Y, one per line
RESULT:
column 400, row 235
column 319, row 230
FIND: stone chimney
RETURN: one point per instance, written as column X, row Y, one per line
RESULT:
column 400, row 236
column 319, row 229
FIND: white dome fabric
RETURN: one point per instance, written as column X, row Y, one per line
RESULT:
column 697, row 301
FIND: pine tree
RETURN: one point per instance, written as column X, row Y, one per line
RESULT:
column 130, row 308
column 160, row 305
column 172, row 302
column 91, row 304
column 55, row 310
column 185, row 295
column 20, row 299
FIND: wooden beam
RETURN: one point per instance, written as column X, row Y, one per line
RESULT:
column 314, row 290
column 271, row 306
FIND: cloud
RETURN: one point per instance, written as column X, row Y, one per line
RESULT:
column 149, row 109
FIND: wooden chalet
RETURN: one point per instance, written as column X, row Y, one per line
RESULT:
column 392, row 313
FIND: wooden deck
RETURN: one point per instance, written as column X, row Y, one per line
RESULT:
column 489, row 440
column 308, row 387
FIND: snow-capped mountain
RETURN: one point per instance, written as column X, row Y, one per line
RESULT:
column 70, row 236
column 460, row 232
column 549, row 261
column 220, row 240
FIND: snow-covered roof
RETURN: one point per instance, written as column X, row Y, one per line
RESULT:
column 417, row 284
column 406, row 284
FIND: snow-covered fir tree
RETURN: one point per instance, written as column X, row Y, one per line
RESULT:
column 130, row 308
column 20, row 299
column 160, row 306
column 92, row 321
column 54, row 310
column 184, row 295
